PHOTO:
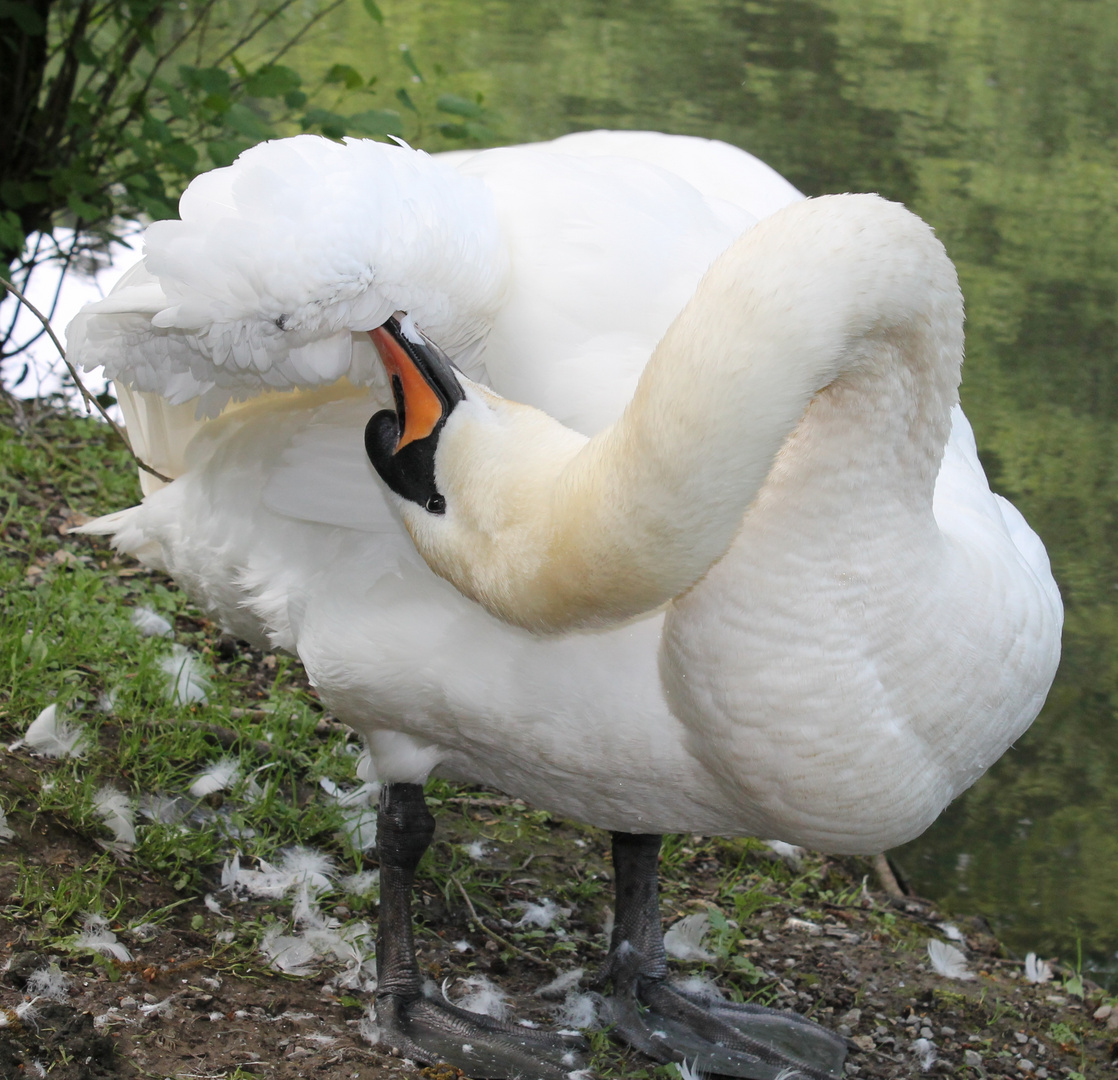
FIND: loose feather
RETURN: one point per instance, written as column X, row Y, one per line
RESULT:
column 97, row 936
column 948, row 961
column 684, row 940
column 118, row 813
column 52, row 737
column 220, row 776
column 483, row 997
column 186, row 682
column 1037, row 970
column 151, row 623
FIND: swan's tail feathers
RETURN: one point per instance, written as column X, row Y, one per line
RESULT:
column 106, row 525
column 129, row 535
column 159, row 433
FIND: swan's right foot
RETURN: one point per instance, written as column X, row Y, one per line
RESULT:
column 423, row 1028
column 669, row 1023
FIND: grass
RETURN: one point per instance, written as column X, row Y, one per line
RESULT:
column 67, row 638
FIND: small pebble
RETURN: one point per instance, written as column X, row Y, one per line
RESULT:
column 947, row 1030
column 1025, row 1065
column 1021, row 1037
column 971, row 1059
column 852, row 1016
column 926, row 1033
column 1103, row 1011
column 864, row 1042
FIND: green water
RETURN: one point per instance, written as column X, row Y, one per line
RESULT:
column 997, row 121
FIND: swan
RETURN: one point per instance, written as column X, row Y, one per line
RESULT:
column 608, row 472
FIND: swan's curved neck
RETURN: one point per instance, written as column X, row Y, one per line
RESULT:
column 551, row 531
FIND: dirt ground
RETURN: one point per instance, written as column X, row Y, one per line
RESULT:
column 182, row 1009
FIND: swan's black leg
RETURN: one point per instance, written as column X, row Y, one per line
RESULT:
column 670, row 1024
column 427, row 1029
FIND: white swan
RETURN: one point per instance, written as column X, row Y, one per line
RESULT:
column 824, row 625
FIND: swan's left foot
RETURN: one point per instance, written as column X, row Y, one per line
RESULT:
column 671, row 1024
column 427, row 1029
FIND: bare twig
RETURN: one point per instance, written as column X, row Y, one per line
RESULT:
column 253, row 31
column 475, row 918
column 87, row 397
column 316, row 18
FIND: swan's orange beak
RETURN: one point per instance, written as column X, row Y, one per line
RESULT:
column 418, row 407
column 402, row 445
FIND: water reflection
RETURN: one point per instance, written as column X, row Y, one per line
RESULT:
column 997, row 121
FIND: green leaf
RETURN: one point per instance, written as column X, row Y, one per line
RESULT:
column 406, row 56
column 217, row 103
column 329, row 123
column 375, row 122
column 272, row 80
column 84, row 52
column 24, row 16
column 176, row 101
column 373, row 11
column 295, row 99
column 245, row 122
column 155, row 130
column 453, row 131
column 211, row 80
column 84, row 209
column 459, row 106
column 11, row 194
column 181, row 154
column 404, row 98
column 11, row 232
column 349, row 76
column 224, row 152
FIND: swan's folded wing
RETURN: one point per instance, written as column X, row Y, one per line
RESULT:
column 716, row 169
column 964, row 503
column 324, row 475
column 278, row 257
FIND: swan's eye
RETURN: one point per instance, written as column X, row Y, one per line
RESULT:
column 435, row 505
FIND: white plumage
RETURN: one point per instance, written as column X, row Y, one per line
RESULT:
column 824, row 683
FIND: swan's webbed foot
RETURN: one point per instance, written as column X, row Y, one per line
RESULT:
column 429, row 1030
column 669, row 1023
column 423, row 1028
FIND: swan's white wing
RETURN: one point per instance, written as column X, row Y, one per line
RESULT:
column 604, row 253
column 324, row 475
column 279, row 256
column 715, row 169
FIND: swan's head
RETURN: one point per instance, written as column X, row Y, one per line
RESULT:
column 402, row 443
column 473, row 475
